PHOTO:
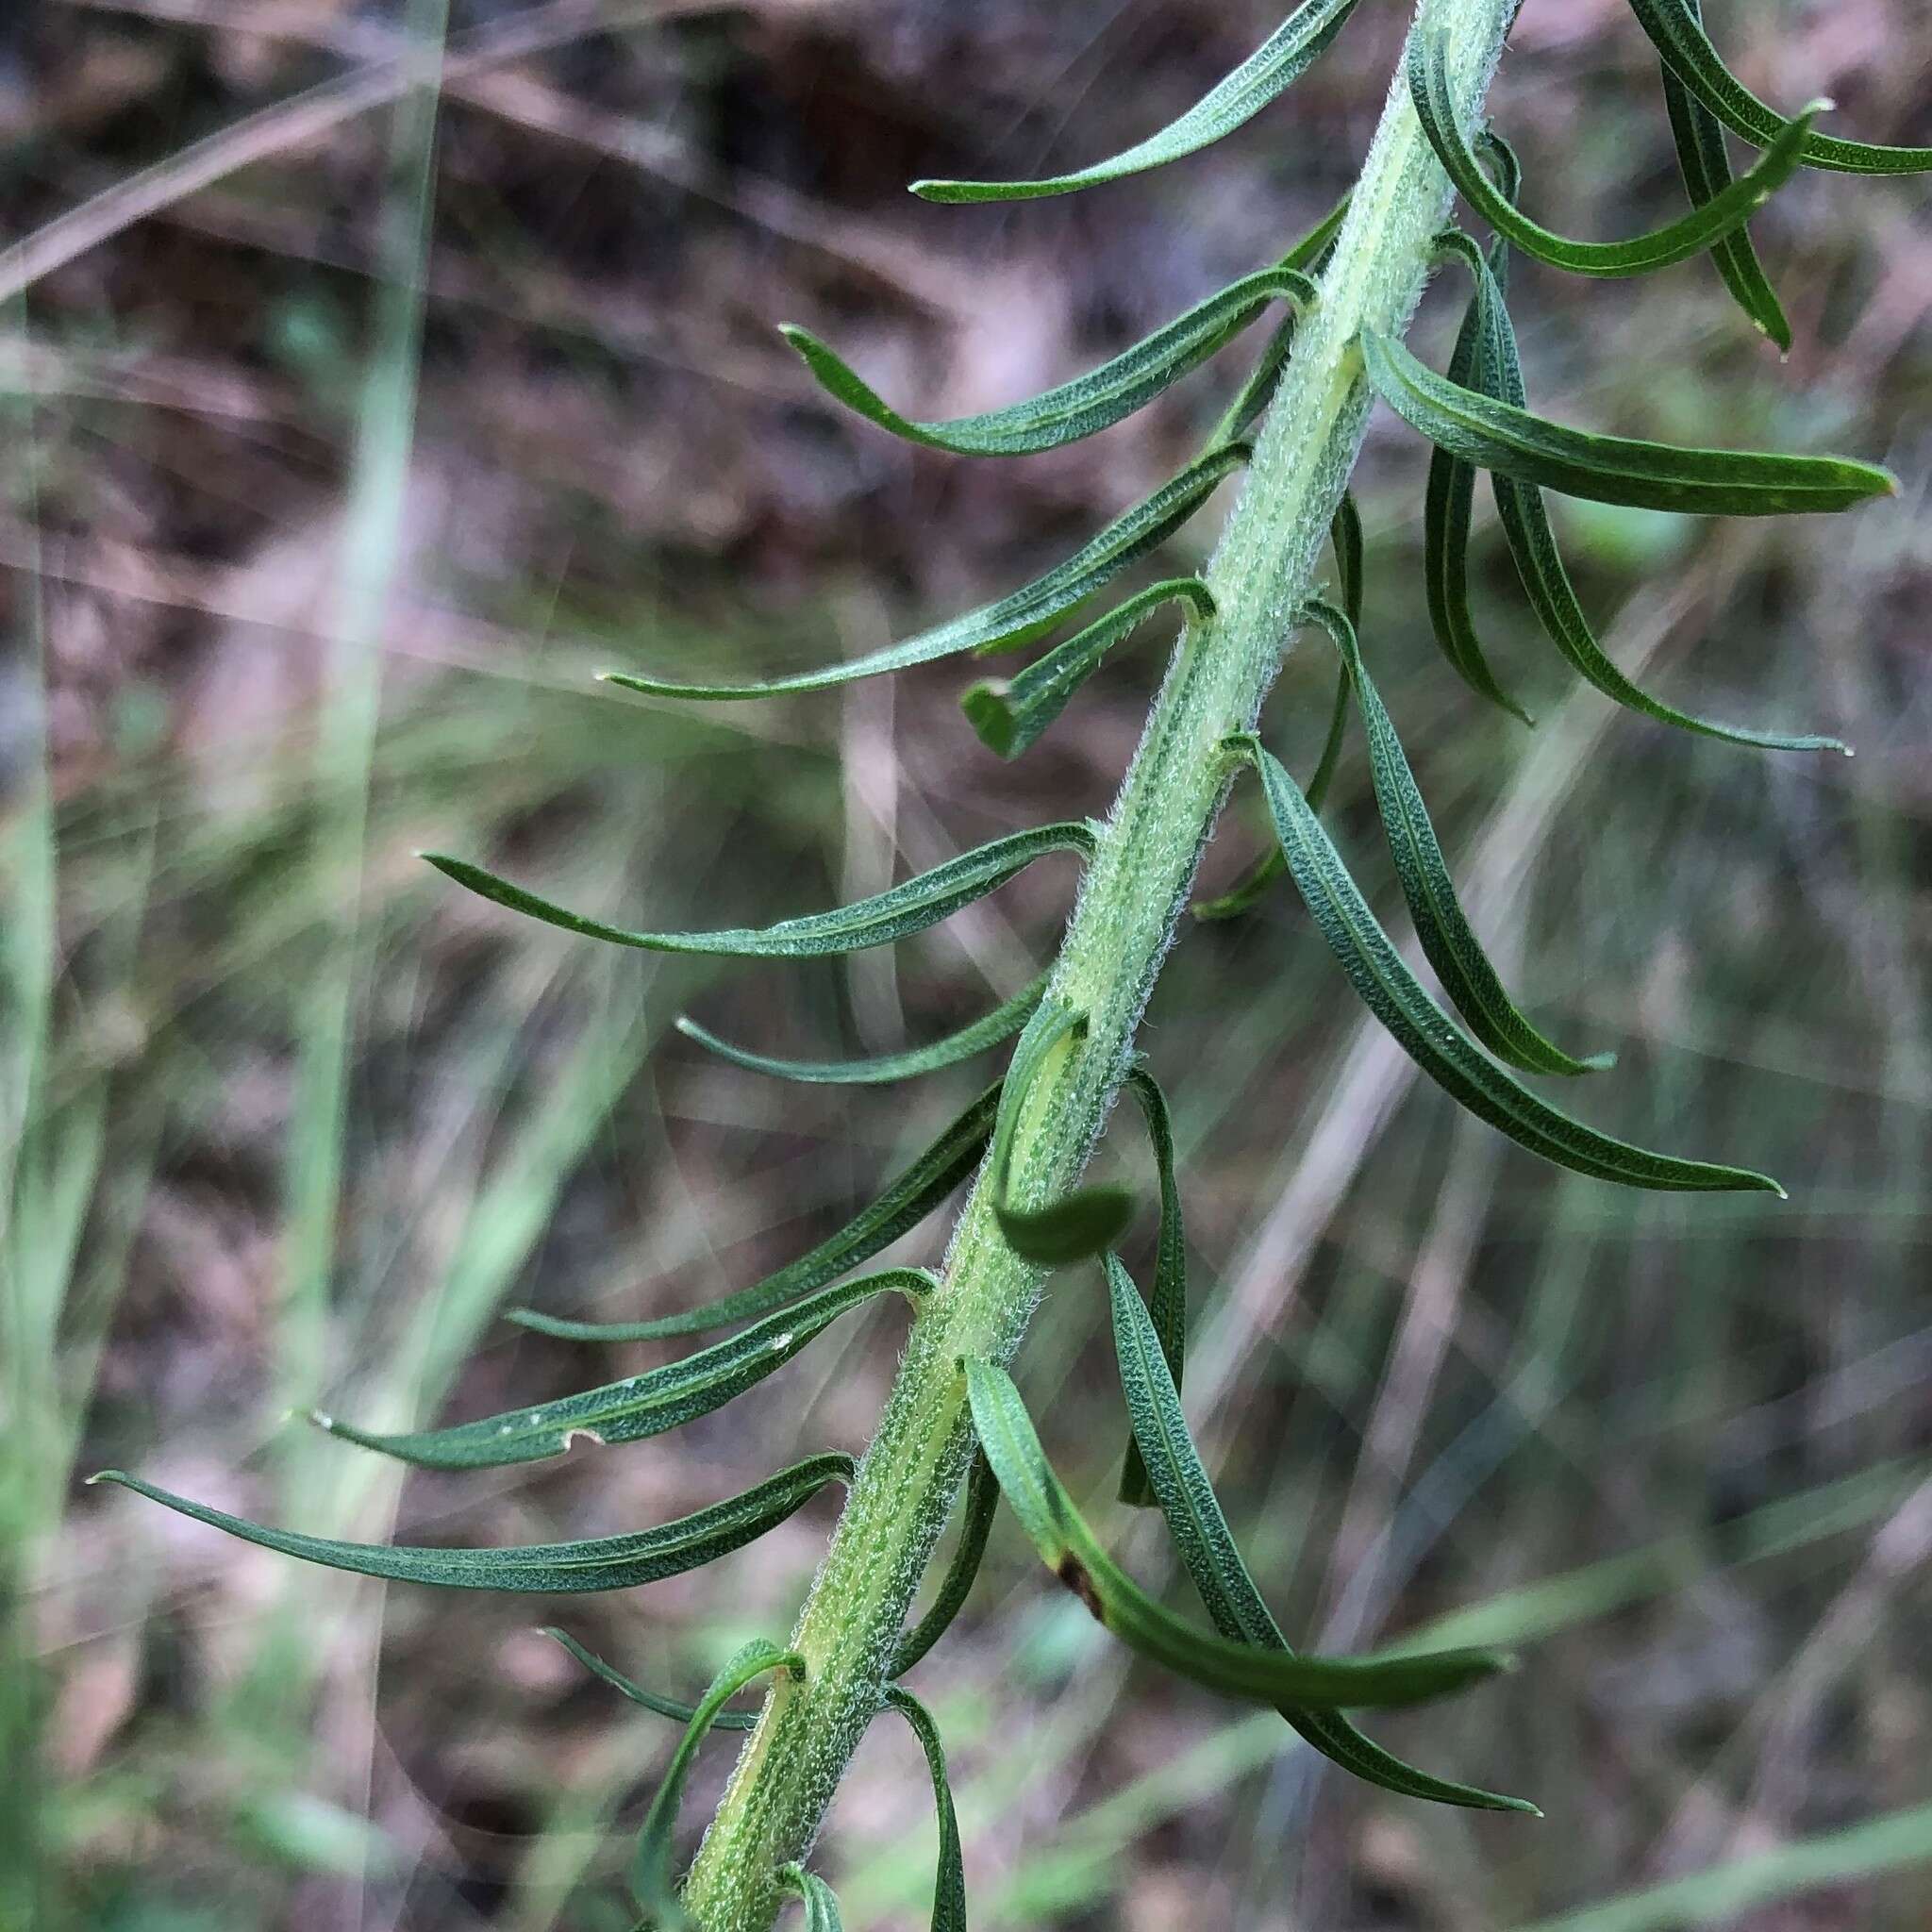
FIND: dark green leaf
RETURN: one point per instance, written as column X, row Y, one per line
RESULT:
column 1056, row 1530
column 1207, row 1548
column 1345, row 539
column 949, row 1888
column 982, row 1499
column 1015, row 619
column 902, row 909
column 640, row 1405
column 820, row 1902
column 1427, row 1034
column 1275, row 64
column 664, row 1706
column 1168, row 1305
column 608, row 1562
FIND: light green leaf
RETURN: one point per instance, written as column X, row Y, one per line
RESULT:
column 949, row 1887
column 1207, row 1549
column 901, row 1207
column 1168, row 1304
column 1013, row 620
column 1274, row 66
column 1056, row 1530
column 608, row 1562
column 664, row 1706
column 897, row 913
column 1427, row 1034
column 982, row 1499
column 820, row 1902
column 640, row 1405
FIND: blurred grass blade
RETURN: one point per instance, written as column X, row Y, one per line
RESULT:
column 609, row 1562
column 1611, row 469
column 897, row 913
column 949, row 1887
column 651, row 1881
column 1207, row 1549
column 1089, row 403
column 1013, row 620
column 982, row 1499
column 1677, row 33
column 664, row 1706
column 1270, row 70
column 902, row 1205
column 1001, row 1024
column 1722, row 214
column 820, row 1902
column 1432, row 1040
column 640, row 1405
column 1010, row 714
column 1168, row 1304
column 1453, row 950
column 1056, row 1530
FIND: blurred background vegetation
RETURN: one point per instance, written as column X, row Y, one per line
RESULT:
column 343, row 442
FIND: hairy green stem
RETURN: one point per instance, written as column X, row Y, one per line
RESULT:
column 1136, row 889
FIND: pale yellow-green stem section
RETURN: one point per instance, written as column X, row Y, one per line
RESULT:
column 1134, row 890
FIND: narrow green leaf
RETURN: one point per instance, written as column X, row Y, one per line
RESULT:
column 1270, row 70
column 664, row 1706
column 1722, row 214
column 901, row 1207
column 1427, row 1034
column 640, row 1405
column 897, row 913
column 608, row 1562
column 982, row 1499
column 1010, row 714
column 1001, row 1024
column 1453, row 948
column 1089, row 403
column 1013, row 620
column 651, row 1868
column 1677, row 33
column 1345, row 539
column 821, row 1901
column 1168, row 1305
column 949, row 1887
column 1610, row 468
column 1056, row 1530
column 1207, row 1548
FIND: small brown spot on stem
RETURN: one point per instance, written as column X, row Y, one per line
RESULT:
column 1073, row 1573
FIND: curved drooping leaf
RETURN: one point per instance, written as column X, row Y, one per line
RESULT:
column 1168, row 1304
column 1001, row 1024
column 1010, row 714
column 1208, row 1551
column 607, row 1562
column 1677, row 33
column 1089, row 403
column 664, row 1706
column 652, row 1880
column 1722, row 214
column 821, row 1901
column 976, row 1524
column 1705, row 167
column 642, row 1405
column 949, row 1885
column 1453, row 950
column 1611, row 469
column 1282, row 59
column 1058, row 1531
column 1431, row 1038
column 897, row 913
column 1013, row 620
column 902, row 1205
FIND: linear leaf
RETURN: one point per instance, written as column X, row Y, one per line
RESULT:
column 1207, row 1548
column 1268, row 70
column 1168, row 1304
column 949, row 1887
column 651, row 1881
column 640, row 1405
column 1453, row 948
column 1610, row 468
column 664, row 1706
column 1427, row 1034
column 1001, row 1024
column 1056, row 1530
column 1345, row 539
column 1010, row 714
column 1089, row 403
column 608, row 1562
column 1013, row 620
column 1722, row 214
column 1677, row 34
column 982, row 1500
column 903, row 1205
column 897, row 913
column 821, row 1901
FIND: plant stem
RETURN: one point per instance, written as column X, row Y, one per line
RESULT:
column 1136, row 889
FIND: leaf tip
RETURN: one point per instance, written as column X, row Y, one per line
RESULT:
column 321, row 1419
column 105, row 1475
